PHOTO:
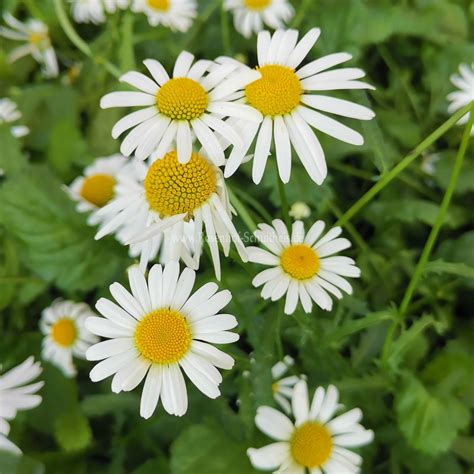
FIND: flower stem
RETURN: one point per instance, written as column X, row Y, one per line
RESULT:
column 241, row 210
column 79, row 42
column 225, row 31
column 387, row 178
column 425, row 255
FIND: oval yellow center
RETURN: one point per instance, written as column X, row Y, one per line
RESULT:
column 98, row 189
column 182, row 98
column 257, row 4
column 300, row 261
column 160, row 5
column 64, row 332
column 277, row 92
column 163, row 336
column 174, row 188
column 37, row 38
column 311, row 445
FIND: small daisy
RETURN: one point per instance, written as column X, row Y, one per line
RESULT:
column 250, row 16
column 191, row 102
column 282, row 387
column 62, row 324
column 168, row 196
column 300, row 210
column 303, row 266
column 464, row 81
column 178, row 15
column 16, row 396
column 316, row 442
column 158, row 330
column 284, row 95
column 95, row 188
column 88, row 11
column 35, row 34
column 9, row 113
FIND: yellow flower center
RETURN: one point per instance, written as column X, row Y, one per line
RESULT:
column 311, row 445
column 98, row 189
column 275, row 387
column 163, row 336
column 277, row 92
column 64, row 332
column 300, row 261
column 173, row 188
column 182, row 98
column 257, row 4
column 36, row 38
column 160, row 5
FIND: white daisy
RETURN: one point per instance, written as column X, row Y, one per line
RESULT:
column 250, row 16
column 37, row 43
column 178, row 15
column 284, row 95
column 62, row 324
column 282, row 387
column 9, row 113
column 168, row 196
column 464, row 81
column 158, row 330
column 316, row 442
column 191, row 102
column 95, row 188
column 303, row 266
column 15, row 396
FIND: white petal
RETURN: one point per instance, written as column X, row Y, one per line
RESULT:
column 341, row 107
column 109, row 348
column 157, row 71
column 282, row 148
column 130, row 120
column 183, row 64
column 213, row 355
column 140, row 81
column 322, row 64
column 269, row 457
column 354, row 440
column 126, row 99
column 151, row 391
column 184, row 142
column 273, row 423
column 262, row 149
column 126, row 300
column 300, row 402
column 329, row 405
column 303, row 47
column 139, row 287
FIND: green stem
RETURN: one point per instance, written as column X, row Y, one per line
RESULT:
column 394, row 172
column 241, row 210
column 79, row 42
column 264, row 214
column 280, row 315
column 225, row 31
column 284, row 202
column 301, row 12
column 425, row 255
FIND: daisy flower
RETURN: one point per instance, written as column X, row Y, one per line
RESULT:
column 158, row 330
column 302, row 266
column 9, row 113
column 190, row 102
column 284, row 95
column 250, row 16
column 168, row 196
column 37, row 43
column 464, row 81
column 300, row 210
column 65, row 335
column 15, row 395
column 178, row 15
column 95, row 188
column 282, row 387
column 316, row 442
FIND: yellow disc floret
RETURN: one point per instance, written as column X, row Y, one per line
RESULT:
column 173, row 188
column 311, row 445
column 39, row 37
column 277, row 92
column 182, row 98
column 64, row 332
column 163, row 336
column 160, row 5
column 257, row 4
column 98, row 189
column 300, row 261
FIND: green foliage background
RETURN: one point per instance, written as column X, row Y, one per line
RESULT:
column 417, row 396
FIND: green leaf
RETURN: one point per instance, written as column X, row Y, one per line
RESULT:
column 57, row 244
column 72, row 431
column 153, row 466
column 201, row 448
column 12, row 159
column 429, row 422
column 458, row 269
column 105, row 404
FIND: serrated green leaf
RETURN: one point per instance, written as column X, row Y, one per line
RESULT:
column 429, row 422
column 59, row 246
column 458, row 269
column 201, row 448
